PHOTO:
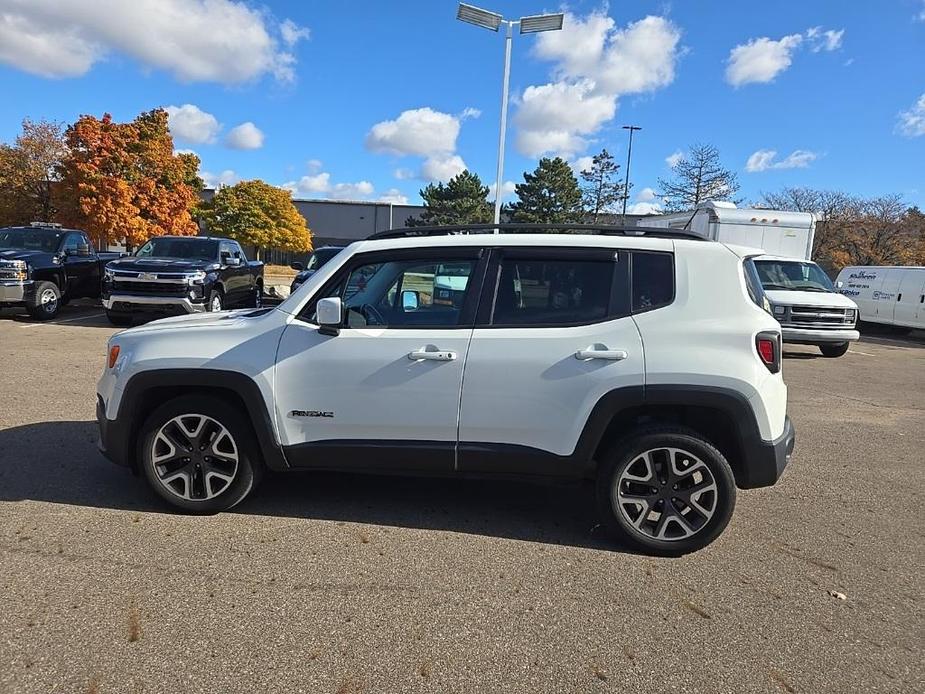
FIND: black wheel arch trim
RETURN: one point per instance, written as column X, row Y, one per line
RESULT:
column 118, row 437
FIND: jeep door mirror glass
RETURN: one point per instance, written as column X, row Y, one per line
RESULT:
column 330, row 312
column 297, row 266
column 410, row 300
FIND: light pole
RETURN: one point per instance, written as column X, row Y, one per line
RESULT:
column 528, row 25
column 626, row 180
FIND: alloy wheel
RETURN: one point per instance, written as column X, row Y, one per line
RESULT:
column 216, row 303
column 48, row 300
column 194, row 457
column 666, row 494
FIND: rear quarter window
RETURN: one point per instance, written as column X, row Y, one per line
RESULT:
column 653, row 280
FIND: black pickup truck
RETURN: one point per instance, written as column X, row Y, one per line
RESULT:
column 43, row 266
column 174, row 275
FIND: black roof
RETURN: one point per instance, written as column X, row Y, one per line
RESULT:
column 521, row 228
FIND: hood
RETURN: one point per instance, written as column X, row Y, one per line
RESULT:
column 132, row 263
column 223, row 319
column 797, row 298
column 13, row 254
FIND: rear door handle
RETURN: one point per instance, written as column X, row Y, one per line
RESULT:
column 432, row 355
column 600, row 352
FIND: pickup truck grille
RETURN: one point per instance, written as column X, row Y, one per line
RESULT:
column 152, row 288
column 818, row 317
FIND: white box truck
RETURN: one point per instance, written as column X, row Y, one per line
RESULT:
column 802, row 297
column 887, row 295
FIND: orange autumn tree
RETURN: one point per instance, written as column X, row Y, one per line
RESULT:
column 122, row 181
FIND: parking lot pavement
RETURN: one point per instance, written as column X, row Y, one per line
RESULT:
column 337, row 583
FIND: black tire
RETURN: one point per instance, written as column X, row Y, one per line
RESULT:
column 257, row 299
column 42, row 306
column 215, row 296
column 248, row 470
column 121, row 320
column 833, row 351
column 625, row 457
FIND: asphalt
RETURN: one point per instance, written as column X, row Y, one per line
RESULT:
column 347, row 584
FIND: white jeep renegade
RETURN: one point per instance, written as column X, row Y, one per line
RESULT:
column 640, row 359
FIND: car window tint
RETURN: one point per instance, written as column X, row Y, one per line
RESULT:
column 407, row 293
column 550, row 292
column 71, row 242
column 653, row 280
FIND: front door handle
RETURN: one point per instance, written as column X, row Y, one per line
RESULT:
column 432, row 354
column 600, row 352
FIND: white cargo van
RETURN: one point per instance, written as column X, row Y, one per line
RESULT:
column 803, row 299
column 887, row 295
column 788, row 234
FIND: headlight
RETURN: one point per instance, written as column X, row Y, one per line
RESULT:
column 851, row 315
column 779, row 310
column 196, row 278
column 109, row 274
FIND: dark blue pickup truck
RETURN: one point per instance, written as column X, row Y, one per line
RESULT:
column 43, row 266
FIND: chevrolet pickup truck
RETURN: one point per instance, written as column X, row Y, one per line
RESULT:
column 43, row 266
column 177, row 275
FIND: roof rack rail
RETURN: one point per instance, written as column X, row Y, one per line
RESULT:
column 52, row 225
column 526, row 228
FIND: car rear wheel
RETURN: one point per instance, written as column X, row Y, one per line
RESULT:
column 46, row 301
column 666, row 491
column 199, row 454
column 833, row 351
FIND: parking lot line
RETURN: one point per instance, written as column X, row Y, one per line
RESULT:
column 866, row 354
column 66, row 320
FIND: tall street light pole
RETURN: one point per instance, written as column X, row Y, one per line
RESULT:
column 528, row 25
column 626, row 180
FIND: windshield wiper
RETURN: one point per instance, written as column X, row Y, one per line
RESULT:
column 771, row 285
column 812, row 289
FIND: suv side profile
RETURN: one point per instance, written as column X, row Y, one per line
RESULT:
column 641, row 360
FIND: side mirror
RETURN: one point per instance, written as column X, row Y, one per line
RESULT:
column 329, row 312
column 83, row 251
column 410, row 300
column 839, row 284
column 297, row 266
column 232, row 261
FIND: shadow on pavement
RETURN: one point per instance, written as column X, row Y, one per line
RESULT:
column 79, row 314
column 58, row 462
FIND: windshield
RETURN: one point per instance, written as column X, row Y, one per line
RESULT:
column 191, row 248
column 23, row 239
column 320, row 257
column 793, row 275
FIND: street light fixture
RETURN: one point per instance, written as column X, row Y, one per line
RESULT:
column 528, row 25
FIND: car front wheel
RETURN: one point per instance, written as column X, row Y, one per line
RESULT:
column 833, row 351
column 199, row 454
column 46, row 301
column 216, row 301
column 666, row 491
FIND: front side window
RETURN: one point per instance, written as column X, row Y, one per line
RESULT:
column 793, row 275
column 71, row 243
column 406, row 293
column 552, row 292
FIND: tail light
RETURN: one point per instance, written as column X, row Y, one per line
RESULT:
column 768, row 347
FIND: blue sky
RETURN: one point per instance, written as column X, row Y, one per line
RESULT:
column 371, row 99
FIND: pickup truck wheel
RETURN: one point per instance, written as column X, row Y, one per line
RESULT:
column 666, row 491
column 121, row 320
column 199, row 454
column 46, row 300
column 833, row 351
column 258, row 295
column 216, row 301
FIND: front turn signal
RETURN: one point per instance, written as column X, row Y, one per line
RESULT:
column 113, row 355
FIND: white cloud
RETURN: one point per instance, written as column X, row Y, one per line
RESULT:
column 760, row 60
column 318, row 183
column 245, row 136
column 394, row 196
column 469, row 112
column 184, row 151
column 582, row 164
column 442, row 167
column 912, row 122
column 921, row 15
column 191, row 124
column 646, row 195
column 595, row 63
column 507, row 190
column 314, row 165
column 420, row 131
column 292, row 32
column 673, row 159
column 765, row 159
column 195, row 40
column 824, row 40
column 644, row 208
column 225, row 178
column 352, row 191
column 403, row 174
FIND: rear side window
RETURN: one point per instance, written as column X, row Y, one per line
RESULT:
column 541, row 292
column 653, row 280
column 753, row 284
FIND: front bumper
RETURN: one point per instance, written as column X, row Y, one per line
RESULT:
column 113, row 440
column 764, row 461
column 811, row 336
column 131, row 303
column 15, row 291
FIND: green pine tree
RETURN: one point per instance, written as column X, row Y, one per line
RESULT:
column 601, row 191
column 550, row 195
column 462, row 200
